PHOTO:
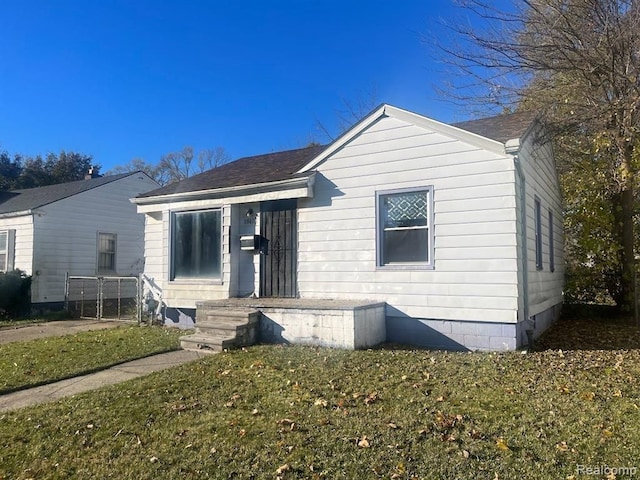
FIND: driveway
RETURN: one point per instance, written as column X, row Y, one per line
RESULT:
column 54, row 329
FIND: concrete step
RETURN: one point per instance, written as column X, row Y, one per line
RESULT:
column 213, row 315
column 206, row 343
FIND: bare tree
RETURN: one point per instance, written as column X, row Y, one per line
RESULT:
column 175, row 166
column 577, row 61
column 350, row 112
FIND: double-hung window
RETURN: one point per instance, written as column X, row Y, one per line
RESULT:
column 537, row 210
column 107, row 252
column 4, row 250
column 7, row 241
column 196, row 250
column 405, row 228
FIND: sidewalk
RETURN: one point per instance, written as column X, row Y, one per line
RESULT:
column 59, row 328
column 84, row 383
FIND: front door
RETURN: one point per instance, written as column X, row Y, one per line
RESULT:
column 279, row 262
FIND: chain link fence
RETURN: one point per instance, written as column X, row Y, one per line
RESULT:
column 104, row 298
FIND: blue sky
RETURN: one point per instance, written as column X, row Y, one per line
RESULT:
column 121, row 79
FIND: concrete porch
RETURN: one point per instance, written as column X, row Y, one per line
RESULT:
column 350, row 324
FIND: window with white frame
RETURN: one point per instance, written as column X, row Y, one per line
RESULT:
column 107, row 244
column 4, row 251
column 405, row 230
column 538, row 231
column 196, row 250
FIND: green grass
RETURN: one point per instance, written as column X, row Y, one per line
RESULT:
column 294, row 412
column 25, row 364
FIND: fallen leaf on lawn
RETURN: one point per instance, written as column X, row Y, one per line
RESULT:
column 242, row 432
column 153, row 459
column 440, row 399
column 320, row 402
column 363, row 443
column 617, row 393
column 588, row 395
column 283, row 468
column 562, row 447
column 254, row 411
column 392, row 425
column 501, row 444
column 372, row 397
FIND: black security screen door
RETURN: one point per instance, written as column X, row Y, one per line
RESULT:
column 278, row 224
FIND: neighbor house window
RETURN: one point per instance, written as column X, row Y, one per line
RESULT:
column 405, row 230
column 197, row 245
column 538, row 225
column 107, row 252
column 4, row 251
column 7, row 240
column 552, row 260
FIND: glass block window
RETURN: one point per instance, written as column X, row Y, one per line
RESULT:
column 197, row 245
column 107, row 252
column 405, row 230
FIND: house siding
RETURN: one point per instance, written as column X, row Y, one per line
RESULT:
column 65, row 235
column 23, row 252
column 544, row 286
column 476, row 260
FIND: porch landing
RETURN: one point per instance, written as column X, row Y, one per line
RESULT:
column 351, row 324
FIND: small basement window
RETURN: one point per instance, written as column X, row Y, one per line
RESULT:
column 405, row 227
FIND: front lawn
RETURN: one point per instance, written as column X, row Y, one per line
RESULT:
column 294, row 412
column 25, row 364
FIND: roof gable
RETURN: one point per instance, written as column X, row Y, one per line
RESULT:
column 30, row 198
column 489, row 133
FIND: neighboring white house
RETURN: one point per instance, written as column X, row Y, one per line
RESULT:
column 457, row 228
column 87, row 227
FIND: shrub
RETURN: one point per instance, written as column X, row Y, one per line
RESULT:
column 15, row 294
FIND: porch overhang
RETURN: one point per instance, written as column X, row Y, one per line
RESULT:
column 298, row 187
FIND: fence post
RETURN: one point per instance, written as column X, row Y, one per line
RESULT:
column 66, row 291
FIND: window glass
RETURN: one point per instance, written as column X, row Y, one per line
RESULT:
column 106, row 252
column 197, row 246
column 552, row 260
column 405, row 229
column 3, row 251
column 538, row 233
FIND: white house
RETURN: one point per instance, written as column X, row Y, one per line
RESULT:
column 456, row 229
column 87, row 227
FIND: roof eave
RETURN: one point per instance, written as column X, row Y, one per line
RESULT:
column 20, row 213
column 235, row 191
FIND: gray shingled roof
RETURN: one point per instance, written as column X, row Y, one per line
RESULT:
column 283, row 165
column 500, row 128
column 270, row 167
column 30, row 198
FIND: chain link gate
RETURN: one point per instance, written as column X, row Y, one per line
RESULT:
column 103, row 298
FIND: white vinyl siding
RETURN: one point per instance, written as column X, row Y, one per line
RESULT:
column 65, row 235
column 474, row 236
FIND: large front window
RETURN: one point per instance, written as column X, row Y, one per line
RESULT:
column 405, row 233
column 197, row 245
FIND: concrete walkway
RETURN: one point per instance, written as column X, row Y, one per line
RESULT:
column 84, row 383
column 60, row 328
